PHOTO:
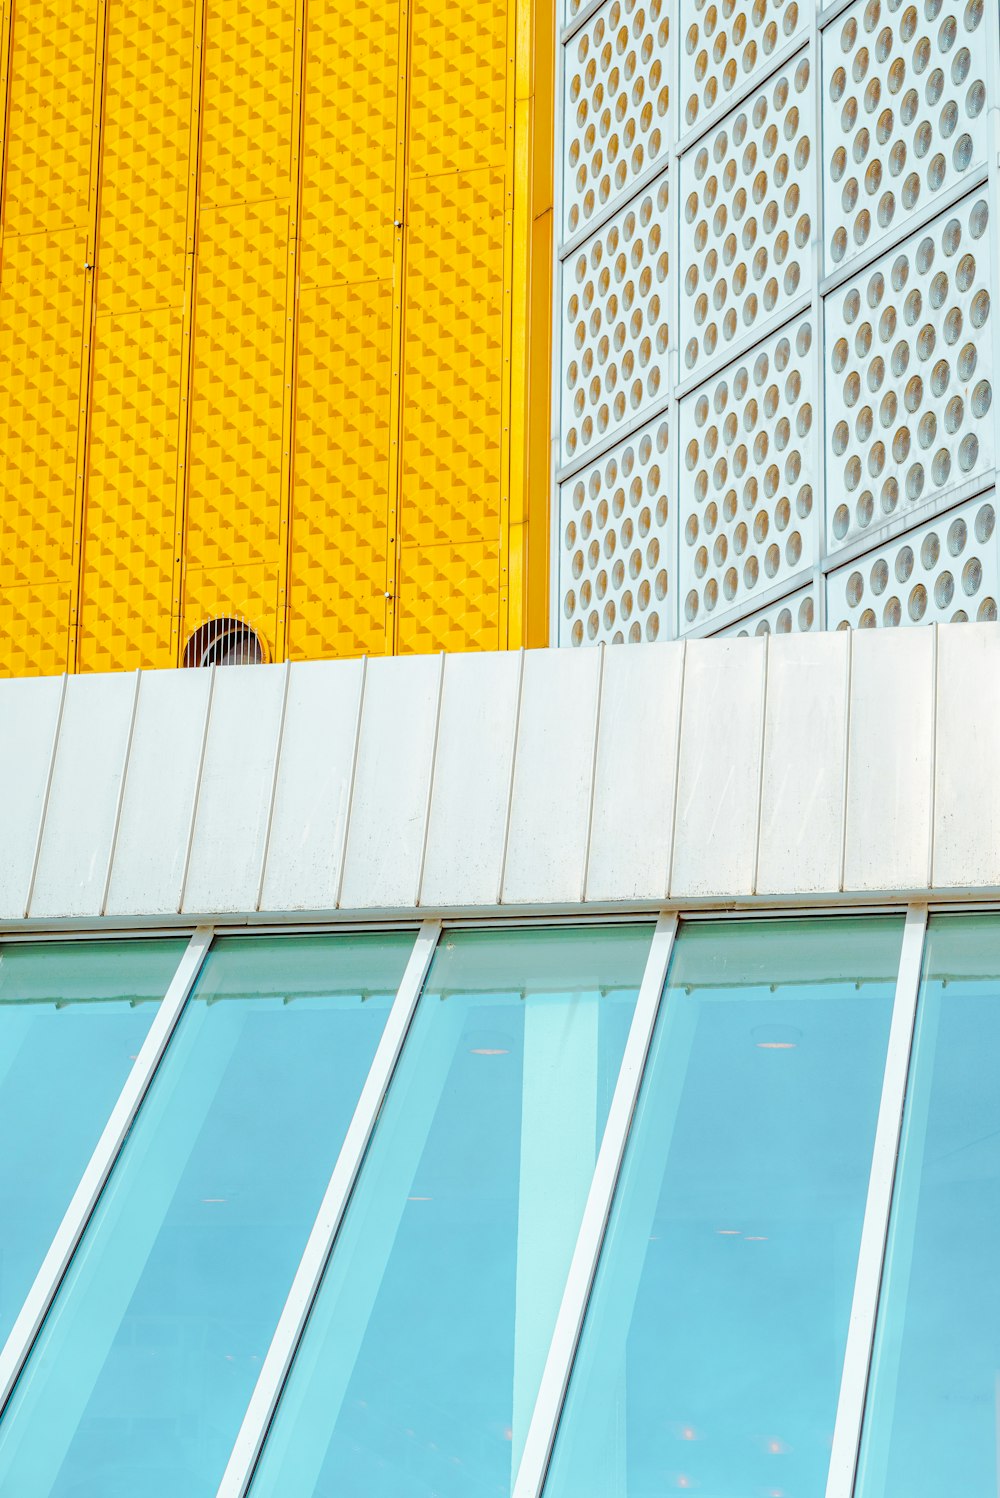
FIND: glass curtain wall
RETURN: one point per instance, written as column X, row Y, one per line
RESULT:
column 713, row 1344
column 73, row 1017
column 140, row 1377
column 420, row 1364
column 933, row 1419
column 711, row 1355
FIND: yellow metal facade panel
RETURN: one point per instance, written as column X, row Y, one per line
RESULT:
column 51, row 98
column 235, row 460
column 128, row 536
column 235, row 457
column 247, row 116
column 349, row 160
column 209, row 593
column 458, row 89
column 291, row 387
column 339, row 522
column 147, row 108
column 449, row 598
column 33, row 629
column 452, row 369
column 41, row 315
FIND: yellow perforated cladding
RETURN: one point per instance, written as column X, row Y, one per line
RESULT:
column 260, row 328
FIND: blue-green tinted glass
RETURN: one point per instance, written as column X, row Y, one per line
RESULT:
column 139, row 1380
column 73, row 1016
column 933, row 1415
column 421, row 1361
column 711, row 1354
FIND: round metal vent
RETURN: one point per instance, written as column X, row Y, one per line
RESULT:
column 224, row 642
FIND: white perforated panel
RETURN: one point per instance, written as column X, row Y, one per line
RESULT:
column 808, row 308
column 942, row 571
column 617, row 101
column 797, row 614
column 613, row 561
column 904, row 113
column 726, row 43
column 615, row 331
column 909, row 375
column 749, row 201
column 748, row 461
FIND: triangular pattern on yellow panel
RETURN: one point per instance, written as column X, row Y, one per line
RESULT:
column 449, row 598
column 349, row 162
column 50, row 115
column 144, row 189
column 238, row 386
column 457, row 109
column 34, row 634
column 340, row 498
column 41, row 314
column 247, row 118
column 126, row 597
column 453, row 365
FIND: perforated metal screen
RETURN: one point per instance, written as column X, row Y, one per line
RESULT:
column 778, row 246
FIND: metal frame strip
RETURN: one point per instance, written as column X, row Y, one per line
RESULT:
column 308, row 1276
column 56, row 1262
column 291, row 331
column 871, row 1253
column 576, row 1294
column 84, row 412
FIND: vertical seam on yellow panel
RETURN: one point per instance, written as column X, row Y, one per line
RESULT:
column 5, row 50
column 507, row 392
column 87, row 345
column 521, row 326
column 291, row 332
column 400, row 209
column 186, row 373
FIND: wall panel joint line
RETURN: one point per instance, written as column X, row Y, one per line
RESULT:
column 6, row 36
column 186, row 378
column 44, row 808
column 291, row 334
column 84, row 403
column 401, row 208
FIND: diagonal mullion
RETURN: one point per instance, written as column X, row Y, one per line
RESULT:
column 56, row 1262
column 874, row 1232
column 295, row 1313
column 576, row 1294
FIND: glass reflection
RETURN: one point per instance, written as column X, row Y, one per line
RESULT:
column 711, row 1354
column 140, row 1377
column 420, row 1364
column 933, row 1420
column 73, row 1017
